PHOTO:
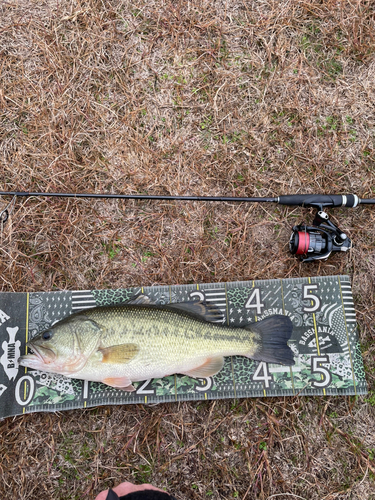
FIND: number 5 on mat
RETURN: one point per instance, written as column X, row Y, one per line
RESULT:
column 316, row 367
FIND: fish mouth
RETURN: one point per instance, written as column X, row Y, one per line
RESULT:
column 39, row 356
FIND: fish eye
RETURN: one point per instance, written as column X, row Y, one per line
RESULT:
column 47, row 335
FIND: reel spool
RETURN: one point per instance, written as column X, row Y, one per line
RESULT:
column 319, row 240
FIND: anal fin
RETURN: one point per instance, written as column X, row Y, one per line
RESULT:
column 209, row 368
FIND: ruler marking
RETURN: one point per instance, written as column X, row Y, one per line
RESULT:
column 316, row 338
column 27, row 339
column 85, row 389
column 226, row 302
column 233, row 380
column 348, row 341
column 290, row 368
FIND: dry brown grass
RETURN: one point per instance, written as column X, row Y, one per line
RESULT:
column 221, row 97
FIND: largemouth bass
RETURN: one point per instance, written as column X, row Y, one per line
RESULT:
column 137, row 341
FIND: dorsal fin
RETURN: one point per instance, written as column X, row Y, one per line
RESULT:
column 139, row 300
column 201, row 310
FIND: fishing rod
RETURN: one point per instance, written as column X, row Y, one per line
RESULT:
column 310, row 243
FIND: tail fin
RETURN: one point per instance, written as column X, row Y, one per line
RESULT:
column 274, row 332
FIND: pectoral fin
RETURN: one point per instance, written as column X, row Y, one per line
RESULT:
column 208, row 369
column 122, row 353
column 123, row 383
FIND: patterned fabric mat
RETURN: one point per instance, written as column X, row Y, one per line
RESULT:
column 324, row 342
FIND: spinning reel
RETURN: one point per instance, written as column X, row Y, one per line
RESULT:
column 319, row 240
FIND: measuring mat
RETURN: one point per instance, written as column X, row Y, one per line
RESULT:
column 324, row 342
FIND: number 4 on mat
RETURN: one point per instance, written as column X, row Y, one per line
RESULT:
column 254, row 301
column 262, row 374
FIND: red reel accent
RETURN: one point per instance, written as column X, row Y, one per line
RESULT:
column 303, row 243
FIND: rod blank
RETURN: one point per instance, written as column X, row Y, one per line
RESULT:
column 304, row 200
column 139, row 197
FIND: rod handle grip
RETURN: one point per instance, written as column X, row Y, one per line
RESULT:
column 324, row 200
